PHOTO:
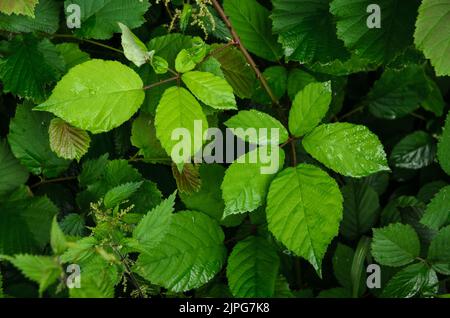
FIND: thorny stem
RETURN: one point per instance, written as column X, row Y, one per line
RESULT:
column 70, row 36
column 42, row 182
column 244, row 51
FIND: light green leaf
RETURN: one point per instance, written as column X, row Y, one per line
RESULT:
column 304, row 208
column 118, row 194
column 37, row 156
column 410, row 281
column 309, row 108
column 178, row 109
column 25, row 225
column 133, row 48
column 12, row 173
column 252, row 268
column 191, row 253
column 143, row 136
column 45, row 19
column 252, row 23
column 307, row 31
column 415, row 151
column 433, row 33
column 184, row 62
column 99, row 17
column 24, row 7
column 236, row 70
column 213, row 90
column 30, row 66
column 377, row 44
column 351, row 150
column 437, row 213
column 246, row 182
column 66, row 141
column 439, row 252
column 43, row 270
column 152, row 229
column 443, row 152
column 57, row 239
column 395, row 245
column 361, row 209
column 253, row 119
column 398, row 92
column 114, row 89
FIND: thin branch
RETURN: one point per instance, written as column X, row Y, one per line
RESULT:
column 42, row 182
column 352, row 112
column 70, row 36
column 161, row 82
column 244, row 51
column 294, row 154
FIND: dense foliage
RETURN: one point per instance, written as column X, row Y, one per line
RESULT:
column 355, row 95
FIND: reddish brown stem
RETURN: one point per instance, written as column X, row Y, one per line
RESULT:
column 244, row 51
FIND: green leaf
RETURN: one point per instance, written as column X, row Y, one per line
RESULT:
column 46, row 19
column 57, row 239
column 191, row 253
column 398, row 92
column 298, row 80
column 133, row 48
column 253, row 119
column 276, row 77
column 114, row 89
column 188, row 180
column 377, row 44
column 178, row 109
column 117, row 195
column 361, row 208
column 143, row 136
column 24, row 7
column 337, row 292
column 433, row 33
column 304, row 208
column 12, row 173
column 209, row 197
column 395, row 245
column 99, row 17
column 342, row 265
column 25, row 225
column 210, row 89
column 37, row 155
column 43, row 270
column 252, row 23
column 236, row 70
column 309, row 108
column 415, row 151
column 351, row 150
column 443, row 148
column 73, row 225
column 410, row 281
column 30, row 66
column 152, row 229
column 437, row 213
column 434, row 102
column 184, row 62
column 307, row 32
column 246, row 182
column 439, row 253
column 252, row 268
column 66, row 141
column 72, row 54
